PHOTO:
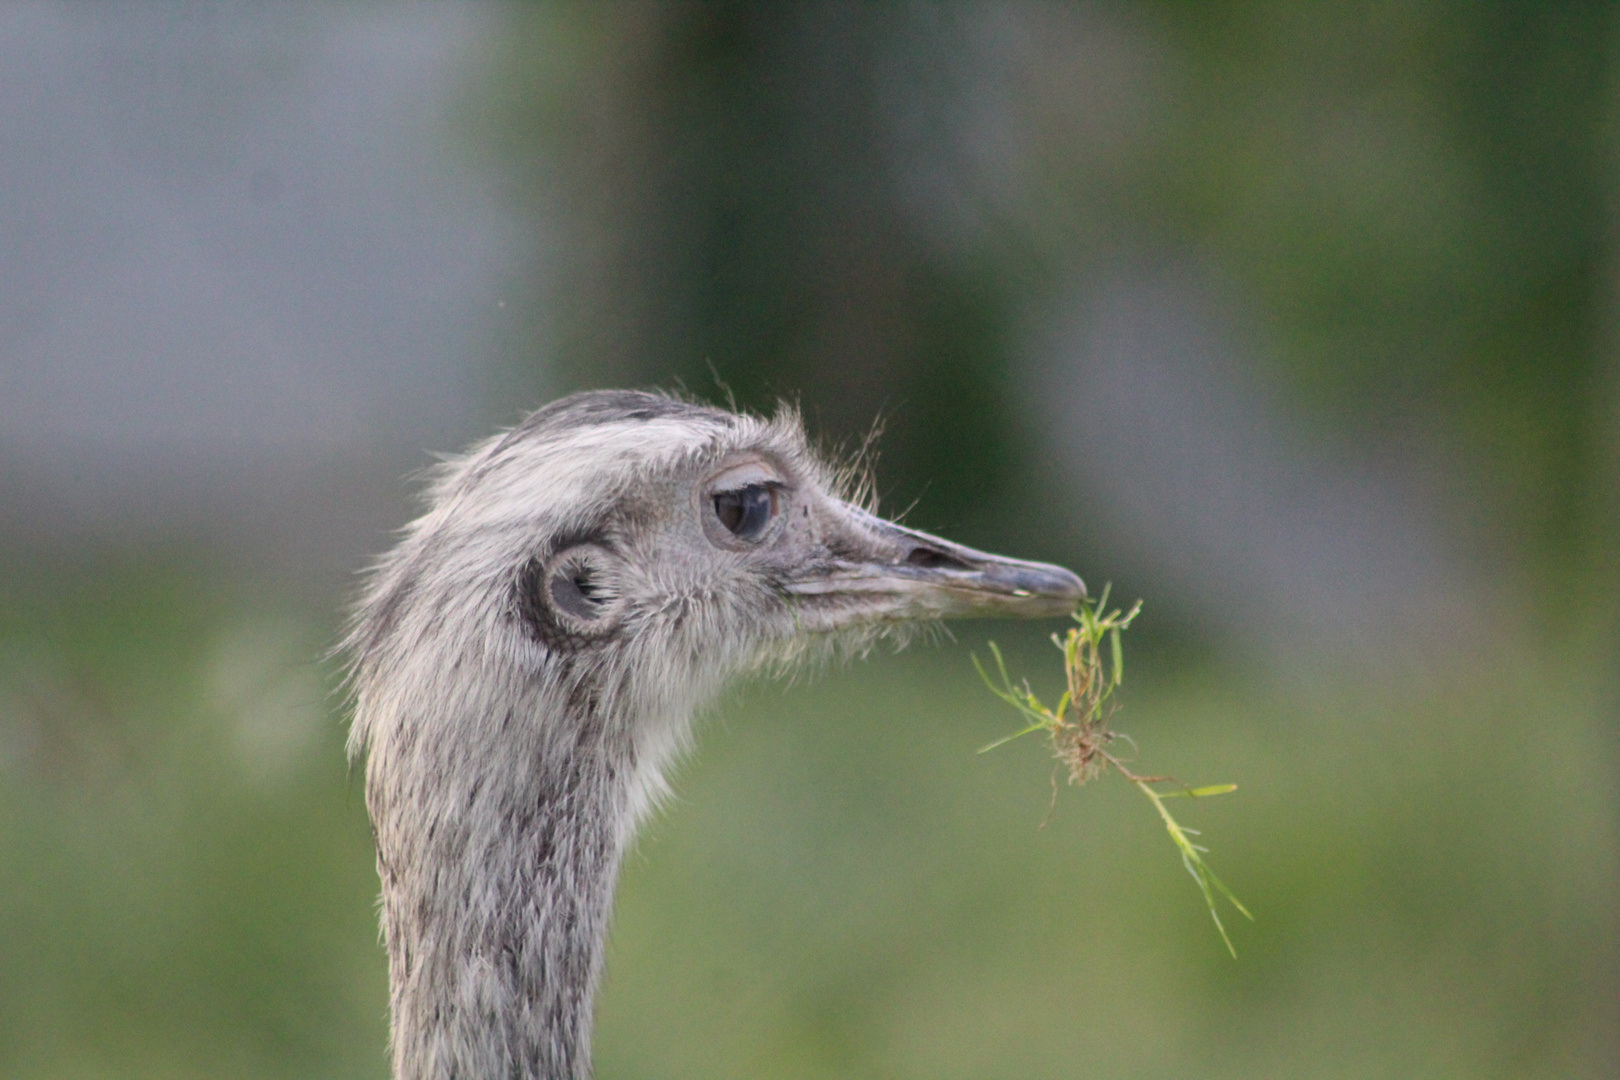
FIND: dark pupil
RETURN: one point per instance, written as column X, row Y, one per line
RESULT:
column 745, row 512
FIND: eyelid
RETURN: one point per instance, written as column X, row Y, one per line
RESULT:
column 746, row 474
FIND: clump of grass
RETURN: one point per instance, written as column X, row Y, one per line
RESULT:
column 1078, row 730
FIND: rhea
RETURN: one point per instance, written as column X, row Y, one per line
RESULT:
column 528, row 659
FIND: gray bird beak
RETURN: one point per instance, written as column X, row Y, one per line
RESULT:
column 884, row 572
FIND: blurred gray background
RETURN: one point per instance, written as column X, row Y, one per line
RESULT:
column 1293, row 320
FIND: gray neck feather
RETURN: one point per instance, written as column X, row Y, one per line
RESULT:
column 498, row 846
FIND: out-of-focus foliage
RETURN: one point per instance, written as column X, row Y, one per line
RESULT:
column 846, row 889
column 1418, row 199
column 185, row 870
column 724, row 172
column 1410, row 200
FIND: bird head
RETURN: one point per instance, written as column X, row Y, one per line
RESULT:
column 641, row 550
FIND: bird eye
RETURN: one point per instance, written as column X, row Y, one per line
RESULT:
column 746, row 511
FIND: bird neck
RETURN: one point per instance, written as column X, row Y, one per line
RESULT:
column 497, row 886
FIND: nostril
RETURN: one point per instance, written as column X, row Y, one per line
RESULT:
column 929, row 559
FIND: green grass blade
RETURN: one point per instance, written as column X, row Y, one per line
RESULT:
column 1015, row 735
column 1079, row 739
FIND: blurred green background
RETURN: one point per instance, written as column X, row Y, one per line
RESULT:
column 1295, row 320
